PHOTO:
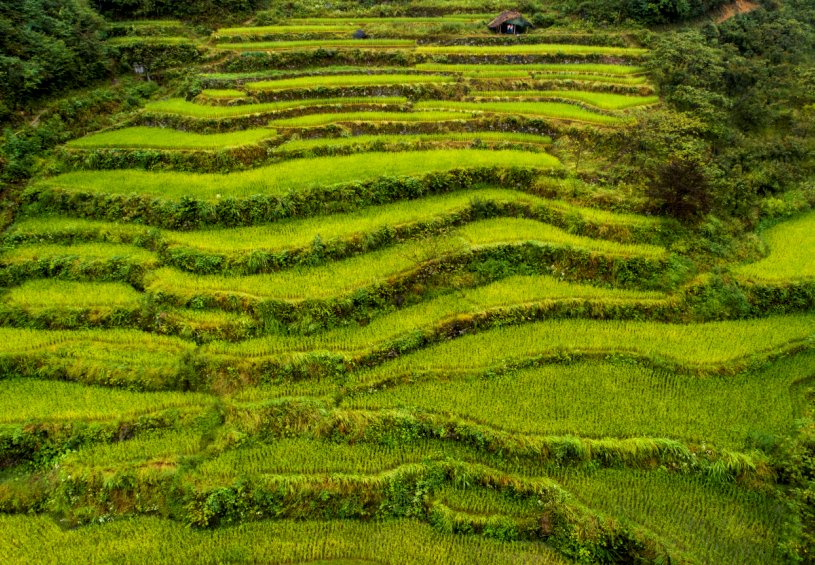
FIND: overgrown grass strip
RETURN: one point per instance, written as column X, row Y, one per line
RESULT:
column 346, row 81
column 181, row 107
column 604, row 100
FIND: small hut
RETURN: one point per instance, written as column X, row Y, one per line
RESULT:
column 511, row 22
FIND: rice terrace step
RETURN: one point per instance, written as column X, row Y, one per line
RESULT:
column 407, row 282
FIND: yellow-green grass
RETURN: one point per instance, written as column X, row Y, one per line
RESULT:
column 792, row 252
column 712, row 524
column 181, row 107
column 288, row 234
column 290, row 73
column 571, row 77
column 165, row 447
column 452, row 137
column 622, row 400
column 604, row 100
column 315, row 120
column 225, row 93
column 291, row 176
column 29, row 400
column 80, row 251
column 38, row 539
column 315, row 457
column 365, row 270
column 280, row 30
column 46, row 294
column 164, row 138
column 127, row 358
column 572, row 68
column 486, row 502
column 707, row 346
column 320, row 44
column 355, row 340
column 531, row 49
column 339, row 81
column 554, row 110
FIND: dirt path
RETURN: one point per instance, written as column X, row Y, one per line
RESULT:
column 734, row 9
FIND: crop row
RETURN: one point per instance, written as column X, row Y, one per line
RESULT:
column 166, row 138
column 149, row 362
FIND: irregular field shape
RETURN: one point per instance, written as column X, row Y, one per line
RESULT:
column 715, row 524
column 708, row 344
column 792, row 252
column 601, row 400
column 355, row 339
column 293, row 175
column 341, row 542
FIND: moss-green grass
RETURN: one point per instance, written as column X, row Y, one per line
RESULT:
column 792, row 252
column 604, row 100
column 554, row 110
column 293, row 175
column 181, row 107
column 335, row 81
column 165, row 138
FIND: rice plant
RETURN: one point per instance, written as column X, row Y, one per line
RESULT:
column 786, row 261
column 47, row 294
column 554, row 110
column 165, row 138
column 706, row 346
column 531, row 49
column 28, row 400
column 315, row 120
column 335, row 81
column 713, row 524
column 164, row 447
column 38, row 539
column 87, row 252
column 181, row 107
column 604, row 100
column 281, row 178
column 452, row 137
column 572, row 68
column 320, row 44
column 222, row 93
column 376, row 267
column 621, row 400
column 356, row 340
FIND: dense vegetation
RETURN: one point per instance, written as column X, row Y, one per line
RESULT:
column 434, row 295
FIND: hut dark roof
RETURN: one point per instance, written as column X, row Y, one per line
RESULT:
column 505, row 16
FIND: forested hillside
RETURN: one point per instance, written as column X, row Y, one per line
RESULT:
column 370, row 282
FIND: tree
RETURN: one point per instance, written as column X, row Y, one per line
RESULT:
column 681, row 188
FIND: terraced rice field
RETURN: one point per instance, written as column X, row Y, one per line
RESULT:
column 378, row 334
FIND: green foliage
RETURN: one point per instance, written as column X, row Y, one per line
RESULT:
column 554, row 110
column 162, row 138
column 47, row 47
